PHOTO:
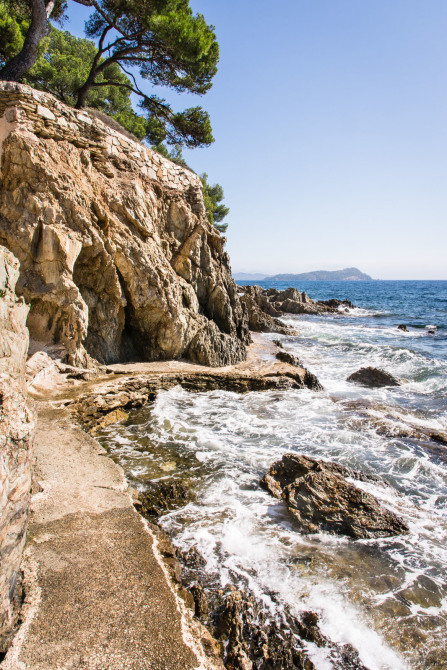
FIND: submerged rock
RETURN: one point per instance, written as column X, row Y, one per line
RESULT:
column 320, row 498
column 373, row 377
column 161, row 497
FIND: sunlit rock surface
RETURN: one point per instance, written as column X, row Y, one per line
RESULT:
column 118, row 259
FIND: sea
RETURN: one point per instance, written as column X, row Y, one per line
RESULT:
column 387, row 597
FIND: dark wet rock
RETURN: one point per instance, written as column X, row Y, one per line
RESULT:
column 320, row 498
column 349, row 659
column 440, row 438
column 201, row 606
column 278, row 344
column 193, row 559
column 403, row 327
column 286, row 357
column 311, row 382
column 373, row 377
column 336, row 304
column 161, row 497
column 252, row 641
column 242, row 631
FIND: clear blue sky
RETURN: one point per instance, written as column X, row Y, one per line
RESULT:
column 330, row 119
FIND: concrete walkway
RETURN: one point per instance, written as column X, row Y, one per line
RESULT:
column 97, row 593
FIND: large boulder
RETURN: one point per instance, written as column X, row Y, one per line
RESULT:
column 320, row 498
column 373, row 377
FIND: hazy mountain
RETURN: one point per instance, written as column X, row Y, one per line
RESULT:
column 348, row 274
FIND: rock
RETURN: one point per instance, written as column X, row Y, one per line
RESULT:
column 286, row 357
column 200, row 600
column 115, row 416
column 320, row 498
column 258, row 320
column 334, row 304
column 295, row 307
column 373, row 377
column 214, row 348
column 135, row 391
column 162, row 496
column 118, row 259
column 311, row 381
column 403, row 327
column 17, row 425
column 261, row 304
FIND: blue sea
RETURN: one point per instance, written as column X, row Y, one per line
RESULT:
column 387, row 597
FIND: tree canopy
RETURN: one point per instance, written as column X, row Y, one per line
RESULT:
column 62, row 66
column 160, row 41
column 212, row 197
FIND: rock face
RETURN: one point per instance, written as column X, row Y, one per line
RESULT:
column 373, row 377
column 118, row 259
column 320, row 498
column 16, row 433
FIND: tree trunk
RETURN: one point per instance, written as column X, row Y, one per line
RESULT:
column 83, row 92
column 23, row 61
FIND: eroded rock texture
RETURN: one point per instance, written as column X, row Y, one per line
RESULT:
column 118, row 260
column 321, row 499
column 16, row 433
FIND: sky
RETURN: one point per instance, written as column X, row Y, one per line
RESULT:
column 330, row 126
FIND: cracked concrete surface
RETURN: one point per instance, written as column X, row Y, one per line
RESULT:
column 97, row 595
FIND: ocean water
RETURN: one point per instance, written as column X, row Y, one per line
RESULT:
column 387, row 597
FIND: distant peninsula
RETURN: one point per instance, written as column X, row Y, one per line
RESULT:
column 250, row 276
column 347, row 274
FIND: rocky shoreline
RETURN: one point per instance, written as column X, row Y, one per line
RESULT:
column 114, row 277
column 245, row 634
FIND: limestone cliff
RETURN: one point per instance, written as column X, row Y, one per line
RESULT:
column 16, row 433
column 118, row 260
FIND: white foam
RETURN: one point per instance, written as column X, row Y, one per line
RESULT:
column 248, row 537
